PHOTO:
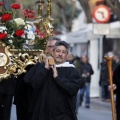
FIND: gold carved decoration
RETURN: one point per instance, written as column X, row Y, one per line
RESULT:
column 4, row 61
column 44, row 25
column 14, row 61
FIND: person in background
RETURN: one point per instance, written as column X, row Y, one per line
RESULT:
column 87, row 71
column 77, row 64
column 58, row 84
column 70, row 57
column 50, row 44
column 22, row 96
column 104, row 81
column 7, row 86
column 49, row 47
column 25, row 95
column 116, row 60
column 7, row 90
column 116, row 88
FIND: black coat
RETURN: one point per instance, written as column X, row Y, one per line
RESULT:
column 23, row 91
column 116, row 80
column 7, row 86
column 56, row 99
column 104, row 78
column 87, row 68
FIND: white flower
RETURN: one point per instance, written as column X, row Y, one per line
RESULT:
column 2, row 28
column 26, row 41
column 30, row 35
column 19, row 21
column 23, row 36
column 10, row 36
column 10, row 41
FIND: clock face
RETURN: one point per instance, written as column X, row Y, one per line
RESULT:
column 3, row 59
column 101, row 14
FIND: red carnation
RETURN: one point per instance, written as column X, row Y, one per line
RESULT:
column 29, row 13
column 3, row 36
column 39, row 33
column 6, row 17
column 2, row 3
column 19, row 32
column 15, row 6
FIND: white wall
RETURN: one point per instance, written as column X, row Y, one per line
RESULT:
column 93, row 59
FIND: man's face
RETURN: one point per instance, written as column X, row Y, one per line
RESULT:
column 50, row 45
column 84, row 59
column 60, row 54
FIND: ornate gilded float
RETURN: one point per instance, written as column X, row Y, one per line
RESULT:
column 15, row 51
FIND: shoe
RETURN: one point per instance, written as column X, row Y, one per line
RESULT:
column 87, row 106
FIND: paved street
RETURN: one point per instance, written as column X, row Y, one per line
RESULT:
column 98, row 111
column 13, row 113
column 93, row 114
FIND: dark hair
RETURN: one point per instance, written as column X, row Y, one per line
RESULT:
column 62, row 43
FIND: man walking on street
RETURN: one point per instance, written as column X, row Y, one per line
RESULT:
column 25, row 95
column 87, row 71
column 58, row 84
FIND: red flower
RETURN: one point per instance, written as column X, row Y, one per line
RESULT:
column 19, row 32
column 3, row 36
column 39, row 33
column 15, row 6
column 29, row 13
column 2, row 3
column 6, row 17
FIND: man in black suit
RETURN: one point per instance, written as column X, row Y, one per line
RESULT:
column 7, row 89
column 24, row 93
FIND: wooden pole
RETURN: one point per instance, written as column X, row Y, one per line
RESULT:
column 109, row 64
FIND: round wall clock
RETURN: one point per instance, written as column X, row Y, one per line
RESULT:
column 101, row 14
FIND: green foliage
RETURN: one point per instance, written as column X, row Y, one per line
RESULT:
column 40, row 43
column 63, row 13
column 68, row 11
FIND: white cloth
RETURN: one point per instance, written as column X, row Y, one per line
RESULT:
column 66, row 64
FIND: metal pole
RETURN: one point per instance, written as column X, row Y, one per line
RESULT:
column 49, row 9
column 40, row 8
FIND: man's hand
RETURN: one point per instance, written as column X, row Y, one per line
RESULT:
column 88, row 74
column 47, row 64
column 113, row 87
column 55, row 73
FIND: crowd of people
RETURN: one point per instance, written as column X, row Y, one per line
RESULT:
column 49, row 90
column 46, row 91
column 85, row 71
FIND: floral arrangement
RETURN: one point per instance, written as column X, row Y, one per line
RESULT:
column 16, row 31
